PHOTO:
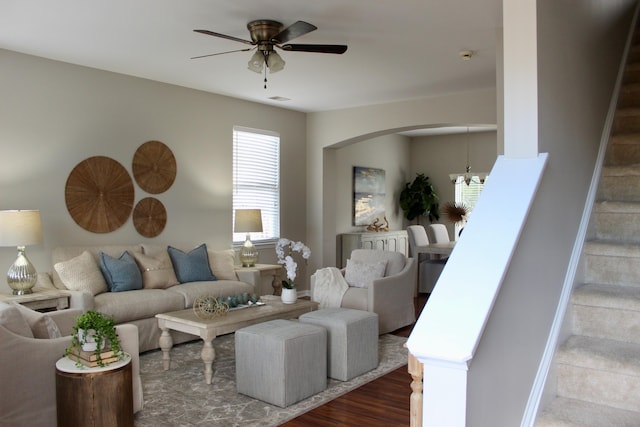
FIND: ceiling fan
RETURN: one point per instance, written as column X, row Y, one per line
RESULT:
column 266, row 35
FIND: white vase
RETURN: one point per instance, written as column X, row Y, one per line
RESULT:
column 289, row 296
column 87, row 339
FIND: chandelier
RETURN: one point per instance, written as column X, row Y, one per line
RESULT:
column 468, row 177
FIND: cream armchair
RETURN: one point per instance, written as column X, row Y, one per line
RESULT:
column 390, row 297
column 27, row 365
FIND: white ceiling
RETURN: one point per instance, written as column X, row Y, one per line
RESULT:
column 398, row 50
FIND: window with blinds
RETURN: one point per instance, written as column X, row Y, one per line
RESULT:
column 468, row 195
column 256, row 179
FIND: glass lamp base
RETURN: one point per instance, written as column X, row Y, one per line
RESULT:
column 22, row 275
column 248, row 254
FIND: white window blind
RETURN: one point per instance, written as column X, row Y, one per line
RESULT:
column 468, row 195
column 256, row 179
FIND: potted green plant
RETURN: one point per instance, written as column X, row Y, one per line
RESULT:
column 95, row 332
column 419, row 198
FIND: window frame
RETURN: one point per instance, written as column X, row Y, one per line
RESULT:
column 255, row 194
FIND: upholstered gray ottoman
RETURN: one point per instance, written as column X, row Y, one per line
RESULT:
column 281, row 361
column 352, row 340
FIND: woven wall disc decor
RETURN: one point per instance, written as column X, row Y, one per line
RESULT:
column 154, row 167
column 99, row 194
column 149, row 217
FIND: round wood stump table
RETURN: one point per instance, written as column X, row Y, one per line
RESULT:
column 92, row 397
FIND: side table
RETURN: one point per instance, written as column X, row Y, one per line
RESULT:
column 92, row 397
column 268, row 270
column 41, row 299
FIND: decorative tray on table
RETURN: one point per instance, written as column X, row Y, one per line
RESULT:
column 208, row 307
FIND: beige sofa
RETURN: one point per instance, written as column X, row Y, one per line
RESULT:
column 77, row 269
column 30, row 346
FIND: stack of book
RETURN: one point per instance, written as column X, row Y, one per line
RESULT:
column 91, row 358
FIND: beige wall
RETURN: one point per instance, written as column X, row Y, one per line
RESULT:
column 54, row 115
column 391, row 153
column 333, row 129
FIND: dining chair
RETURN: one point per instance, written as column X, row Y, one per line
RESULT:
column 429, row 269
column 438, row 233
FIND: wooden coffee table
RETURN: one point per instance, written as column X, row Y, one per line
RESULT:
column 187, row 321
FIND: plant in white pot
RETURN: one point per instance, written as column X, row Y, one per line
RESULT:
column 95, row 332
column 284, row 250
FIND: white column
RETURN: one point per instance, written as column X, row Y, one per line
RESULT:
column 520, row 76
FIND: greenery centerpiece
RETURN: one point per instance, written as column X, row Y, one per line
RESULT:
column 284, row 250
column 95, row 332
column 419, row 198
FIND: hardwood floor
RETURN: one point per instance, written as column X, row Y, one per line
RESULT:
column 382, row 402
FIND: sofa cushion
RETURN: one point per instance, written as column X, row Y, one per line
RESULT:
column 82, row 273
column 138, row 304
column 41, row 324
column 157, row 272
column 362, row 273
column 219, row 288
column 121, row 274
column 11, row 319
column 192, row 266
column 222, row 264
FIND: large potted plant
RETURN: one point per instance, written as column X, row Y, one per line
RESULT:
column 94, row 332
column 419, row 198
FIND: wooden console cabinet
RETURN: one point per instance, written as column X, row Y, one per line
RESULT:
column 393, row 241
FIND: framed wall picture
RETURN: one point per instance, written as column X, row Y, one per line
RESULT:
column 368, row 195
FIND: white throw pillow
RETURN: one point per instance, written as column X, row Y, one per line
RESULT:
column 222, row 264
column 361, row 274
column 82, row 273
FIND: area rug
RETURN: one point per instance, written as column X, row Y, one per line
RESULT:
column 180, row 397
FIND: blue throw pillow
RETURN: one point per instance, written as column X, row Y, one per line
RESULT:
column 191, row 267
column 121, row 274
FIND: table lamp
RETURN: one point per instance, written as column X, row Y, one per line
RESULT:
column 248, row 221
column 20, row 229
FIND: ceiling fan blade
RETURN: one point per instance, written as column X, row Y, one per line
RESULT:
column 224, row 36
column 222, row 53
column 317, row 48
column 293, row 31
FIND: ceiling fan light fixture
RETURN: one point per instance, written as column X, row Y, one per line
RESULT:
column 275, row 62
column 256, row 63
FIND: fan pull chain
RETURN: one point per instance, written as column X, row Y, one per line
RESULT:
column 265, row 75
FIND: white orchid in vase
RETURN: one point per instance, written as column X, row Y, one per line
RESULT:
column 285, row 249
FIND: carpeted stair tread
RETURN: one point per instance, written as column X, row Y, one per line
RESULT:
column 609, row 206
column 625, row 170
column 608, row 296
column 564, row 412
column 612, row 249
column 601, row 355
column 625, row 138
column 616, row 221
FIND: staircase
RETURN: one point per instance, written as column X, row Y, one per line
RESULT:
column 598, row 367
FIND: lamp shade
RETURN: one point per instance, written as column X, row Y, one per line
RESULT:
column 275, row 62
column 20, row 228
column 248, row 221
column 256, row 63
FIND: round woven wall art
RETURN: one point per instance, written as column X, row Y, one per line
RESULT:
column 99, row 194
column 154, row 167
column 149, row 217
